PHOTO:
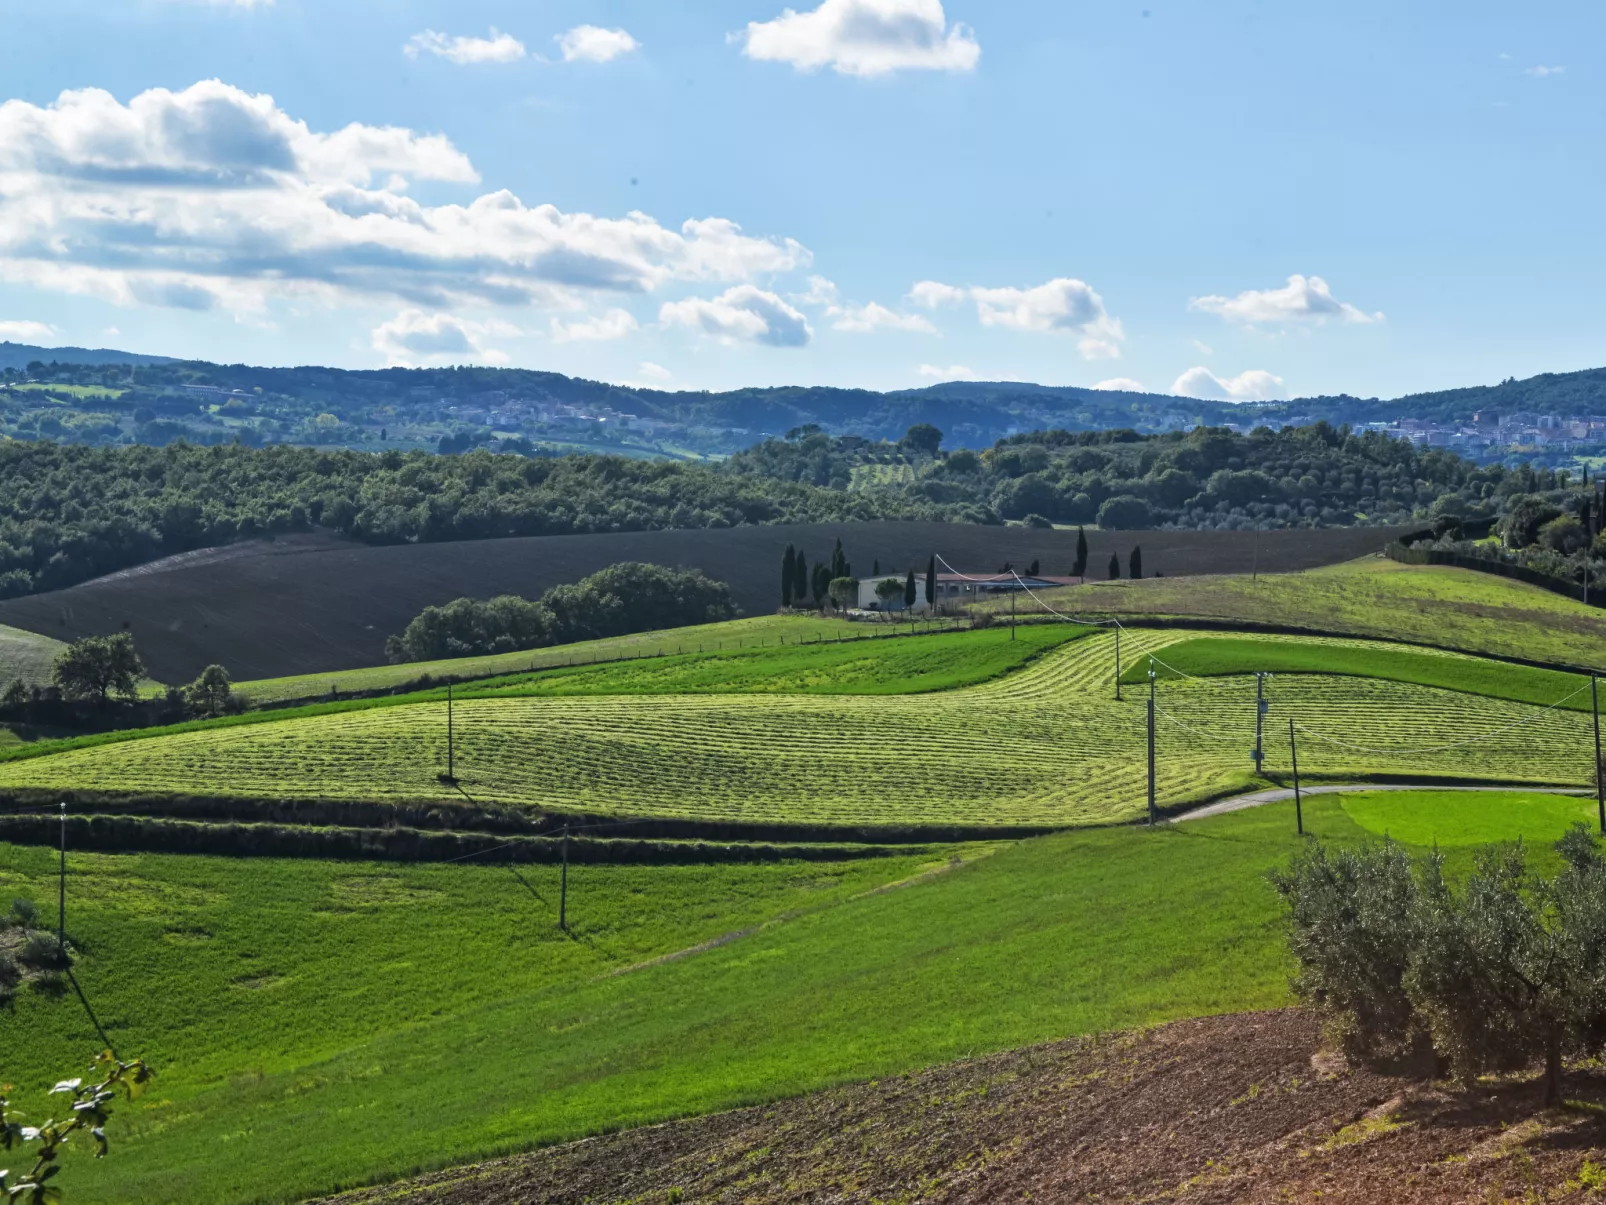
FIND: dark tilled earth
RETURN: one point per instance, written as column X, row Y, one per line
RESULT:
column 1241, row 1108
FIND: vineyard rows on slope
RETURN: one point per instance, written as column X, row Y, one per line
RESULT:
column 1046, row 746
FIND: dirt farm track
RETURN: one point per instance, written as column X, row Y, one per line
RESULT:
column 315, row 603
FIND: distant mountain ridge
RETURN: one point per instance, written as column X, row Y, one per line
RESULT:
column 971, row 413
column 20, row 355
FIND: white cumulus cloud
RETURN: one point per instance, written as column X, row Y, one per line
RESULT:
column 864, row 37
column 1302, row 299
column 414, row 337
column 498, row 48
column 954, row 372
column 933, row 294
column 593, row 44
column 655, row 372
column 1253, row 386
column 1546, row 72
column 744, row 314
column 865, row 319
column 1062, row 306
column 212, row 197
column 26, row 331
column 1122, row 385
column 615, row 324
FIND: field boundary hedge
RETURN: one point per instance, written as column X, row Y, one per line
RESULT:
column 1396, row 551
column 478, row 820
column 144, row 834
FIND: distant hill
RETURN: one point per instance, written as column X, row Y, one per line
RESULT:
column 20, row 355
column 155, row 400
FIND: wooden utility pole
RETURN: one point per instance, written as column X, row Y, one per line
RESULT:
column 1012, row 614
column 1600, row 786
column 1261, row 707
column 1293, row 751
column 563, row 891
column 1117, row 662
column 1153, row 816
column 61, row 897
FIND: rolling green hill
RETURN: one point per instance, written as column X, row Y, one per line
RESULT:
column 471, row 1025
column 1451, row 608
column 1045, row 745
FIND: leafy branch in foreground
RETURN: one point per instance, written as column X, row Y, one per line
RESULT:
column 91, row 1107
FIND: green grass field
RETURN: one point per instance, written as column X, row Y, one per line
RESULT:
column 1217, row 656
column 26, row 656
column 1452, row 608
column 77, row 391
column 1044, row 745
column 764, row 631
column 946, row 661
column 1463, row 818
column 468, row 1025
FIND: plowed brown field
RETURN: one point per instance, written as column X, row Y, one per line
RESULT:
column 1241, row 1108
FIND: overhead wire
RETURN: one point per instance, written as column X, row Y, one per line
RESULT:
column 1144, row 651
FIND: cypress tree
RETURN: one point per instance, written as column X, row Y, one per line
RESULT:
column 839, row 563
column 1032, row 569
column 875, row 568
column 1115, row 565
column 931, row 581
column 909, row 590
column 800, row 579
column 788, row 573
column 1137, row 562
column 1081, row 553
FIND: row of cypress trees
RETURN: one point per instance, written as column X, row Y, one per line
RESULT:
column 834, row 580
column 800, row 583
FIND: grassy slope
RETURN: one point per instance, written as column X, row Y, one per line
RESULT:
column 469, row 1026
column 1453, row 608
column 1214, row 656
column 27, row 656
column 942, row 662
column 764, row 631
column 1462, row 818
column 856, row 666
column 1044, row 745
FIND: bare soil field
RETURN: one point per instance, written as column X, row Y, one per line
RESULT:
column 1244, row 1108
column 315, row 603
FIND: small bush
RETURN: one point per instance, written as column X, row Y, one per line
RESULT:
column 24, row 914
column 42, row 952
column 10, row 976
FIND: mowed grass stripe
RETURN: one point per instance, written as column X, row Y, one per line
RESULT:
column 1217, row 656
column 1047, row 745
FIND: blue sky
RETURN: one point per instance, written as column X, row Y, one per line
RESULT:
column 1227, row 198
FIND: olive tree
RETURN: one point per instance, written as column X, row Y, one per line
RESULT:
column 1505, row 970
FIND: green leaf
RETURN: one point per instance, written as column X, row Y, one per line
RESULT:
column 66, row 1085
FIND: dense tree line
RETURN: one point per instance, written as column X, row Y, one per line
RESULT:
column 1312, row 476
column 68, row 513
column 625, row 598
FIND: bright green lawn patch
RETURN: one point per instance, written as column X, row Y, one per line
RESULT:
column 1435, row 605
column 467, row 1025
column 27, row 656
column 77, row 391
column 1455, row 818
column 893, row 667
column 1215, row 656
column 763, row 631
